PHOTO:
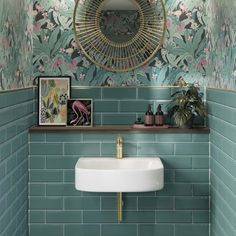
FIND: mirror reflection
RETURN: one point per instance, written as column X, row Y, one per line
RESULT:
column 119, row 20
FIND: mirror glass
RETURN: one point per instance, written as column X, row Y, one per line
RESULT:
column 119, row 20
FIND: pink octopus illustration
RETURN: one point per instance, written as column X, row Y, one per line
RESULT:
column 81, row 112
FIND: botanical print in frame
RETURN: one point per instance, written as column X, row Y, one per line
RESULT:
column 80, row 112
column 53, row 95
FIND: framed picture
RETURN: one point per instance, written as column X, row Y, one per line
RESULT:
column 53, row 95
column 80, row 112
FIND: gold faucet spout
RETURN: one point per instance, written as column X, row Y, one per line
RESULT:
column 119, row 148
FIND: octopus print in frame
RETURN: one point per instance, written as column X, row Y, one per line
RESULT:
column 53, row 95
column 80, row 112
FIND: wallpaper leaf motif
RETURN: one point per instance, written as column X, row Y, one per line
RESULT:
column 200, row 45
column 184, row 35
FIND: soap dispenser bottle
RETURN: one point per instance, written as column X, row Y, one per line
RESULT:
column 159, row 116
column 149, row 117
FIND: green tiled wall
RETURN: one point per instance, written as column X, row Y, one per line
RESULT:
column 222, row 117
column 57, row 209
column 17, row 114
column 123, row 105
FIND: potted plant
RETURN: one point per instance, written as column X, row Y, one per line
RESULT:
column 186, row 104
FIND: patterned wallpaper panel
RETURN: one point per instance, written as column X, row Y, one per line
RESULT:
column 199, row 46
column 183, row 53
column 15, row 44
column 221, row 38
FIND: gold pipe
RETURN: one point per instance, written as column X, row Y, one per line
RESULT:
column 119, row 207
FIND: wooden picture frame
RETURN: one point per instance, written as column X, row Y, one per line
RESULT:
column 53, row 92
column 80, row 112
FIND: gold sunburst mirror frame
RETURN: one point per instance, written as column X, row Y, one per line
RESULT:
column 119, row 50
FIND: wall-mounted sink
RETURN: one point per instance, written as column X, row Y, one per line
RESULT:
column 119, row 175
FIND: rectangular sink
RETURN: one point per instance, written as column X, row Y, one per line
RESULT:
column 108, row 174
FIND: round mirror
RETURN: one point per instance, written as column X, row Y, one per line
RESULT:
column 119, row 35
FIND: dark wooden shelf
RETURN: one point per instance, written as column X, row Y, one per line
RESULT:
column 118, row 128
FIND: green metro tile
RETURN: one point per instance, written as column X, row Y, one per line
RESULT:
column 2, row 135
column 45, row 203
column 2, row 170
column 5, row 150
column 200, row 162
column 37, row 137
column 11, row 163
column 11, row 131
column 200, row 137
column 155, row 148
column 119, row 93
column 45, row 148
column 82, row 148
column 174, row 217
column 169, row 176
column 154, row 203
column 192, row 203
column 100, row 216
column 138, row 216
column 97, row 119
column 201, row 217
column 94, row 137
column 63, row 216
column 82, row 203
column 201, row 189
column 94, row 93
column 106, row 106
column 191, row 176
column 37, row 216
column 176, row 190
column 134, row 106
column 46, row 230
column 138, row 137
column 119, row 229
column 59, row 162
column 173, row 138
column 82, row 229
column 155, row 229
column 192, row 148
column 221, row 188
column 63, row 137
column 37, row 162
column 154, row 93
column 62, row 190
column 195, row 229
column 45, row 176
column 118, row 119
column 36, row 189
column 69, row 176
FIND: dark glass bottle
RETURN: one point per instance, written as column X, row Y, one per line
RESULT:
column 149, row 117
column 159, row 116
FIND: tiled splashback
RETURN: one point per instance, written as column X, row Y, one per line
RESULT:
column 124, row 105
column 16, row 116
column 222, row 121
column 56, row 208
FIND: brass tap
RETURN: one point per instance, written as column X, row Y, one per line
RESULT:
column 119, row 148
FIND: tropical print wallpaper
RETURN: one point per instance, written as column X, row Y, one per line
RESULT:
column 183, row 53
column 221, row 44
column 199, row 46
column 15, row 44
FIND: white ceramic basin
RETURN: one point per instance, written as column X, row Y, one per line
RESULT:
column 119, row 175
